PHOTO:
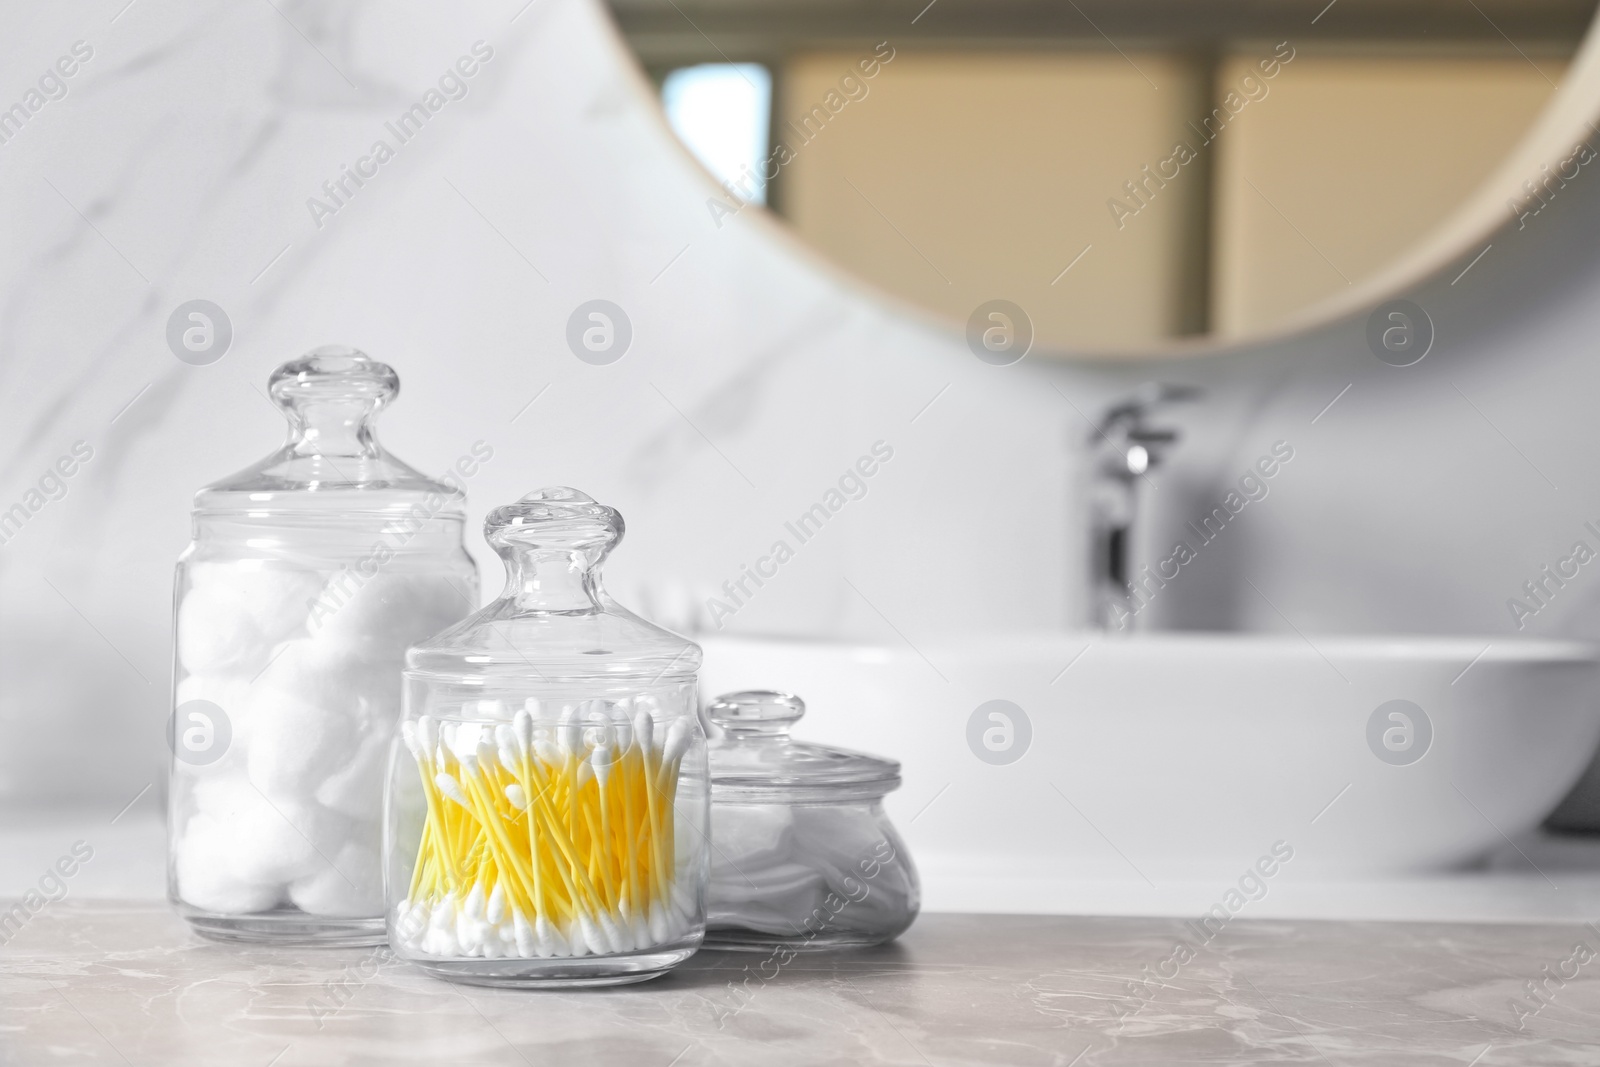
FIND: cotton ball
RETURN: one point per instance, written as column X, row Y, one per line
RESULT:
column 229, row 693
column 217, row 634
column 379, row 687
column 181, row 804
column 295, row 745
column 315, row 672
column 293, row 840
column 274, row 600
column 350, row 887
column 205, row 875
column 279, row 598
column 389, row 612
column 350, row 627
column 224, row 797
column 356, row 789
column 269, row 841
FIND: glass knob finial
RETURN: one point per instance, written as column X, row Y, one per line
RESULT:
column 556, row 516
column 336, row 373
column 559, row 494
column 756, row 711
column 553, row 541
column 330, row 396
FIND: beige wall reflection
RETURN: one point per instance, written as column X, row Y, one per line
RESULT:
column 1352, row 162
column 960, row 177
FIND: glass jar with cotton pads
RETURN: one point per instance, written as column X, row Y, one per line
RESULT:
column 803, row 857
column 548, row 802
column 309, row 576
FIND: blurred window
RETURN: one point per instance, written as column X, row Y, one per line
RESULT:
column 721, row 112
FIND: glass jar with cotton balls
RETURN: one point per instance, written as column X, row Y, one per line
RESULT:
column 309, row 575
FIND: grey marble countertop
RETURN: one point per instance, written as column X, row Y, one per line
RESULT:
column 99, row 981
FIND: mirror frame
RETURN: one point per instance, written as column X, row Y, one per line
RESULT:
column 1568, row 120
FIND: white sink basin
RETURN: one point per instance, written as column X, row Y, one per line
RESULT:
column 1185, row 756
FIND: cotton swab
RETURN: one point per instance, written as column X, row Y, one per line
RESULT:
column 539, row 844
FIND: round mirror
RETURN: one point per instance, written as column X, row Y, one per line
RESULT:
column 1143, row 177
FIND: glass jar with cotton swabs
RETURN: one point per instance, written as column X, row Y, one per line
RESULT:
column 547, row 821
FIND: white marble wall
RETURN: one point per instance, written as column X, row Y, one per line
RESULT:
column 178, row 166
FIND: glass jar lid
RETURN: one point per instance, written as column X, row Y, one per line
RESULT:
column 332, row 461
column 754, row 759
column 554, row 620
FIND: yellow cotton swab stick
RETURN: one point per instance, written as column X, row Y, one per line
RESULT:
column 617, row 798
column 586, row 900
column 541, row 847
column 629, row 850
column 441, row 840
column 643, row 731
column 542, row 933
column 496, row 840
column 408, row 734
column 600, row 760
column 672, row 751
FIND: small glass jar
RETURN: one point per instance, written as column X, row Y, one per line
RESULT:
column 803, row 855
column 547, row 812
column 309, row 575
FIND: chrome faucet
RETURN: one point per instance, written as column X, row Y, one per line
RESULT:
column 1124, row 448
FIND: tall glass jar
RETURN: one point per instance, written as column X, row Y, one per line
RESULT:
column 309, row 575
column 548, row 804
